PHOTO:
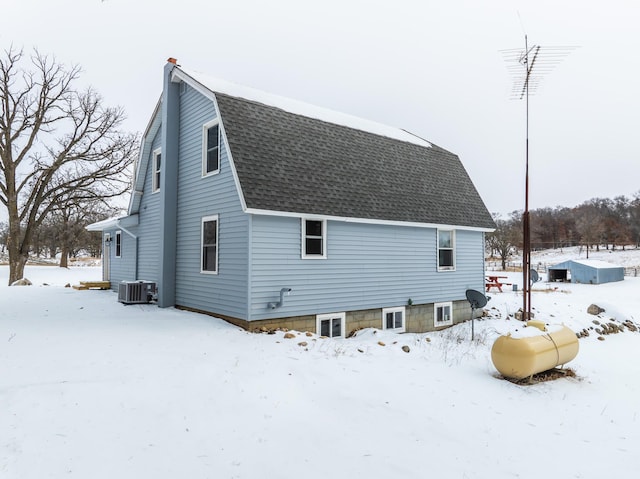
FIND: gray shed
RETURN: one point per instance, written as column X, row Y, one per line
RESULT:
column 588, row 271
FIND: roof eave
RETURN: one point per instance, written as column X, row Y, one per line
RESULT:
column 415, row 224
column 112, row 223
column 143, row 159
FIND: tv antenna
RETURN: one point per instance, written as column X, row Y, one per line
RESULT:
column 528, row 68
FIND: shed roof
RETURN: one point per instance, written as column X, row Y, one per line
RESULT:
column 592, row 263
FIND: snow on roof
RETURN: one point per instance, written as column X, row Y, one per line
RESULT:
column 116, row 221
column 303, row 109
column 103, row 224
column 596, row 263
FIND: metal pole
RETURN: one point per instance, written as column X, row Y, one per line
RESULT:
column 472, row 322
column 526, row 246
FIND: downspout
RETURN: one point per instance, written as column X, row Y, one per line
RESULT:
column 249, row 269
column 135, row 239
column 484, row 262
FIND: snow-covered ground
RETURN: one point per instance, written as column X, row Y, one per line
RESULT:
column 90, row 388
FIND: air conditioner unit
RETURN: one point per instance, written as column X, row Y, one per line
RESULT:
column 136, row 292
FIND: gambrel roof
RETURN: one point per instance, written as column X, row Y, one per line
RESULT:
column 288, row 162
column 293, row 158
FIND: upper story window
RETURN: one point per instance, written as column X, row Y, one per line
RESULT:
column 211, row 148
column 157, row 163
column 209, row 257
column 314, row 238
column 446, row 250
column 118, row 244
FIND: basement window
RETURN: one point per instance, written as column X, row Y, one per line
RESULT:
column 330, row 325
column 442, row 314
column 393, row 318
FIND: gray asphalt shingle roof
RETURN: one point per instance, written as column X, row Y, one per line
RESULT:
column 291, row 163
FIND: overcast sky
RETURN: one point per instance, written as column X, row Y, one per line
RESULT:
column 431, row 67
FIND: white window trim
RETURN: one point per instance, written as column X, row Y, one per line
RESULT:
column 118, row 240
column 385, row 311
column 206, row 127
column 155, row 186
column 453, row 249
column 303, row 243
column 202, row 222
column 322, row 317
column 436, row 306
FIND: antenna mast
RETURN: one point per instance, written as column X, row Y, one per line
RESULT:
column 536, row 61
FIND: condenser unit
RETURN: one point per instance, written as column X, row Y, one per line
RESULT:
column 136, row 292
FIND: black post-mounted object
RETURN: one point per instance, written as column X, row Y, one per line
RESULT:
column 476, row 300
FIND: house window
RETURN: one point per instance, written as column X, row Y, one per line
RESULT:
column 210, row 148
column 442, row 314
column 118, row 244
column 314, row 236
column 209, row 260
column 157, row 163
column 393, row 318
column 446, row 250
column 330, row 325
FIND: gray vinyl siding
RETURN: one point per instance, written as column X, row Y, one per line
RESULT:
column 367, row 266
column 148, row 230
column 225, row 292
column 122, row 268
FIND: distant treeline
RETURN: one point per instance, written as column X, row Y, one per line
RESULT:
column 608, row 222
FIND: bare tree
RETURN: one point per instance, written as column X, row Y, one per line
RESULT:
column 589, row 224
column 56, row 143
column 503, row 240
column 69, row 221
column 634, row 218
column 4, row 234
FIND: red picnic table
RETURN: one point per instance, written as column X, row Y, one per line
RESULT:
column 495, row 282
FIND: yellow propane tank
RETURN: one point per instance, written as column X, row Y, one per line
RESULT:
column 534, row 352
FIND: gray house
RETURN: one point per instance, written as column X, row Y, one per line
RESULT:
column 587, row 271
column 269, row 212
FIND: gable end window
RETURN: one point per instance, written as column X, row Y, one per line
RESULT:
column 211, row 148
column 157, row 163
column 118, row 244
column 314, row 239
column 442, row 314
column 446, row 250
column 330, row 325
column 209, row 256
column 393, row 318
